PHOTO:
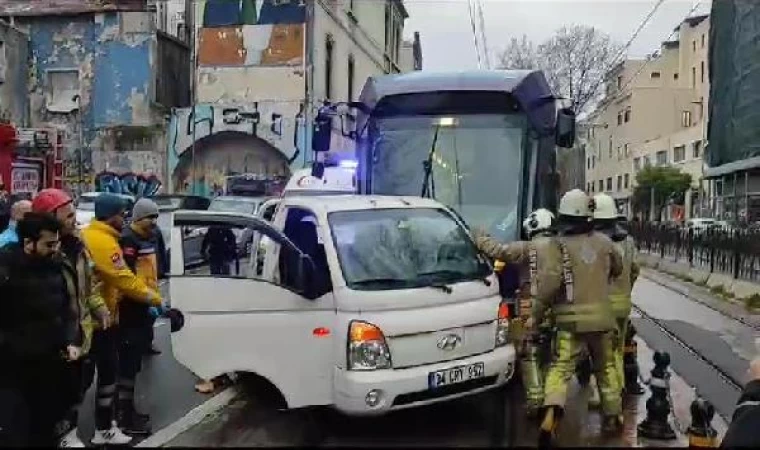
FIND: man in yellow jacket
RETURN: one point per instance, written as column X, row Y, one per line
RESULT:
column 118, row 284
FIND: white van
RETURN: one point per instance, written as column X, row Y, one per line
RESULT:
column 367, row 304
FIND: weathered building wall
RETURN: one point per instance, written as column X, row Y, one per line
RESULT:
column 93, row 75
column 14, row 51
column 267, row 130
column 250, row 95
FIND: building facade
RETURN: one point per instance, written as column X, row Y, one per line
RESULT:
column 102, row 73
column 653, row 113
column 264, row 67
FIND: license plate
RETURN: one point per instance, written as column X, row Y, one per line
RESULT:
column 455, row 375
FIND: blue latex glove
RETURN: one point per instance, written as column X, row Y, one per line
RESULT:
column 154, row 312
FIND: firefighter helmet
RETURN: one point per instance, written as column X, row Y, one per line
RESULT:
column 539, row 220
column 575, row 203
column 48, row 200
column 604, row 207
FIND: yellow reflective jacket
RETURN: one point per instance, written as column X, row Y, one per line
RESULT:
column 102, row 241
column 621, row 287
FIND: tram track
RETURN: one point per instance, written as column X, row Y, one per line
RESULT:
column 673, row 336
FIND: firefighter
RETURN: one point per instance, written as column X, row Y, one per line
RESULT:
column 582, row 314
column 542, row 259
column 606, row 221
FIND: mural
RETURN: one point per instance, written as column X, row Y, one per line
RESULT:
column 262, row 137
column 137, row 185
column 252, row 33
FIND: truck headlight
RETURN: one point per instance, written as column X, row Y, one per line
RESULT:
column 502, row 325
column 367, row 349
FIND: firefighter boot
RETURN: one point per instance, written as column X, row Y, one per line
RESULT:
column 612, row 424
column 547, row 432
column 131, row 421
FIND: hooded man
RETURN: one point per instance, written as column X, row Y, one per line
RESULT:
column 18, row 209
column 81, row 283
column 119, row 284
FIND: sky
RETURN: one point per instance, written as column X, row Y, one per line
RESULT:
column 447, row 39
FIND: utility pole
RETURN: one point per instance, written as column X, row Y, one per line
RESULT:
column 193, row 90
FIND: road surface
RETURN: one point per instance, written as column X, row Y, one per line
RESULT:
column 725, row 343
column 165, row 389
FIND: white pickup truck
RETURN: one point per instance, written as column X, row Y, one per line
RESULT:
column 367, row 304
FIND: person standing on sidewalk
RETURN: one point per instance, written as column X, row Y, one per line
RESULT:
column 101, row 238
column 39, row 332
column 742, row 432
column 82, row 286
column 138, row 242
column 17, row 211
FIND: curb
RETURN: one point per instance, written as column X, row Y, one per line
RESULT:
column 192, row 418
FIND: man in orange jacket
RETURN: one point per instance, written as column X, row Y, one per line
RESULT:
column 119, row 283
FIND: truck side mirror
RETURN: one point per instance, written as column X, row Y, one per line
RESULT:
column 565, row 136
column 321, row 133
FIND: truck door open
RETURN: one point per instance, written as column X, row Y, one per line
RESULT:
column 237, row 321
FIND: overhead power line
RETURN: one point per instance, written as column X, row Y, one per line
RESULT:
column 482, row 24
column 474, row 33
column 622, row 52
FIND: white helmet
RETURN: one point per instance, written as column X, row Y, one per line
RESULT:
column 539, row 220
column 604, row 207
column 575, row 203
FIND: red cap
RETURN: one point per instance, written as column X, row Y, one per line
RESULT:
column 48, row 200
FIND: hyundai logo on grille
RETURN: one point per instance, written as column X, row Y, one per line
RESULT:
column 449, row 342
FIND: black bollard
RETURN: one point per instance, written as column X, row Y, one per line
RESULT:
column 656, row 425
column 701, row 432
column 631, row 364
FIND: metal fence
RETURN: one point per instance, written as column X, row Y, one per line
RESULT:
column 731, row 252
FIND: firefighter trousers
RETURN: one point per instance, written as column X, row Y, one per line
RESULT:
column 532, row 374
column 620, row 336
column 568, row 348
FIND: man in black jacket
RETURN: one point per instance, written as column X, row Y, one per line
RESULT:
column 39, row 330
column 746, row 420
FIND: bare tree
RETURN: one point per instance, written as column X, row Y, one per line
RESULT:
column 519, row 54
column 574, row 60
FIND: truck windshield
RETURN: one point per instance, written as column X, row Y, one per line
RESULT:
column 477, row 166
column 382, row 249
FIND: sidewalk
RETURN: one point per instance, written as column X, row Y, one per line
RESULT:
column 582, row 428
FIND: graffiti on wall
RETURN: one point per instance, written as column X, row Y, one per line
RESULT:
column 134, row 184
column 278, row 124
column 252, row 33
